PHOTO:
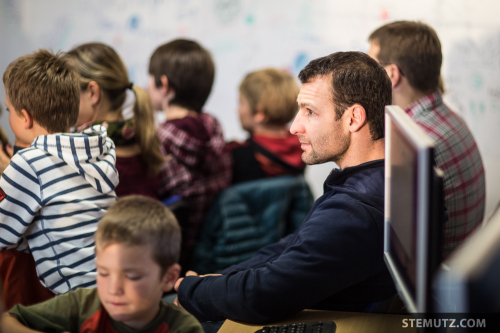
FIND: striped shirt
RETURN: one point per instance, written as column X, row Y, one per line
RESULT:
column 457, row 155
column 56, row 191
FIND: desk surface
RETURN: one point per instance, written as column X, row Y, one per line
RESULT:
column 347, row 322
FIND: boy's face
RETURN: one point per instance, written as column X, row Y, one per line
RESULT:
column 17, row 124
column 129, row 283
column 155, row 94
column 246, row 115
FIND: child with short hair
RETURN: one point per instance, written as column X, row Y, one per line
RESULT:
column 181, row 78
column 53, row 193
column 268, row 102
column 137, row 248
column 104, row 83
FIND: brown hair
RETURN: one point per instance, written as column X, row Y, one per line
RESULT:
column 274, row 91
column 46, row 87
column 356, row 79
column 100, row 63
column 136, row 220
column 190, row 71
column 415, row 48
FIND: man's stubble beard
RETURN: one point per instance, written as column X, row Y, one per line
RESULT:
column 342, row 147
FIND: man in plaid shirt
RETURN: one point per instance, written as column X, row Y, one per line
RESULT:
column 411, row 55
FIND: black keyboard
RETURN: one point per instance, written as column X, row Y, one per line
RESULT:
column 310, row 327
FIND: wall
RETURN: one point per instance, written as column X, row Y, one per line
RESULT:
column 245, row 35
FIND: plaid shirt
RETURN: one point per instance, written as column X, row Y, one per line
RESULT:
column 458, row 157
column 197, row 171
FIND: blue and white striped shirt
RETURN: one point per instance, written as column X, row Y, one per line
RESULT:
column 56, row 192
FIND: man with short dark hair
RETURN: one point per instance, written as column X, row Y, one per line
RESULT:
column 334, row 261
column 411, row 54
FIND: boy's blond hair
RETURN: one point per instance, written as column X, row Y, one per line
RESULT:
column 274, row 92
column 47, row 87
column 138, row 221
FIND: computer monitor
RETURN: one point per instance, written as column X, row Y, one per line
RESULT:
column 469, row 280
column 413, row 209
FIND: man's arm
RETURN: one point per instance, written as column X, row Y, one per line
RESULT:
column 265, row 255
column 20, row 200
column 336, row 248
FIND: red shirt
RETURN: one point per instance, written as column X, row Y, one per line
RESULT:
column 135, row 178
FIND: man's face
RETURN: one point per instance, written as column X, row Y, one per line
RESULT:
column 129, row 283
column 374, row 50
column 322, row 138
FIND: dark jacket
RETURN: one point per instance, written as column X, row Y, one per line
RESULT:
column 334, row 261
column 248, row 216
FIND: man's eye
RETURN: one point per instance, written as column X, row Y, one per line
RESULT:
column 309, row 112
column 102, row 274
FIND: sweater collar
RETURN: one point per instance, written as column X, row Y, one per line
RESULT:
column 339, row 175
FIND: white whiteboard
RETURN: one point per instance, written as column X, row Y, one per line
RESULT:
column 244, row 35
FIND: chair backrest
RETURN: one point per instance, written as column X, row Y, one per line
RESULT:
column 247, row 216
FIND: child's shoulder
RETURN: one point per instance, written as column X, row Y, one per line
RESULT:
column 179, row 320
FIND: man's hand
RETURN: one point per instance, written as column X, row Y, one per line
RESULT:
column 5, row 158
column 178, row 283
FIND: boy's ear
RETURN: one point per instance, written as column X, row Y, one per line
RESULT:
column 166, row 89
column 260, row 117
column 28, row 119
column 93, row 92
column 170, row 277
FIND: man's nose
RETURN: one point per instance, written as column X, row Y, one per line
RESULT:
column 297, row 127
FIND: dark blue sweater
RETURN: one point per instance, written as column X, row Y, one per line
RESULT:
column 334, row 261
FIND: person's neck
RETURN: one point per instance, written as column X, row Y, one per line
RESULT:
column 361, row 150
column 404, row 95
column 105, row 113
column 178, row 112
column 34, row 132
column 270, row 130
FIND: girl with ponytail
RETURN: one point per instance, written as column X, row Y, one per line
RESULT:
column 104, row 84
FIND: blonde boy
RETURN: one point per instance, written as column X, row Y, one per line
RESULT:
column 268, row 102
column 137, row 248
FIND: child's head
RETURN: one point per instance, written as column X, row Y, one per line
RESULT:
column 137, row 248
column 267, row 96
column 104, row 83
column 42, row 91
column 183, row 73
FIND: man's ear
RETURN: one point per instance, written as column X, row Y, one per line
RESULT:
column 170, row 277
column 93, row 92
column 28, row 119
column 394, row 74
column 166, row 89
column 357, row 117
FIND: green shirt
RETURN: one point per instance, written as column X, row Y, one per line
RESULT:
column 81, row 311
